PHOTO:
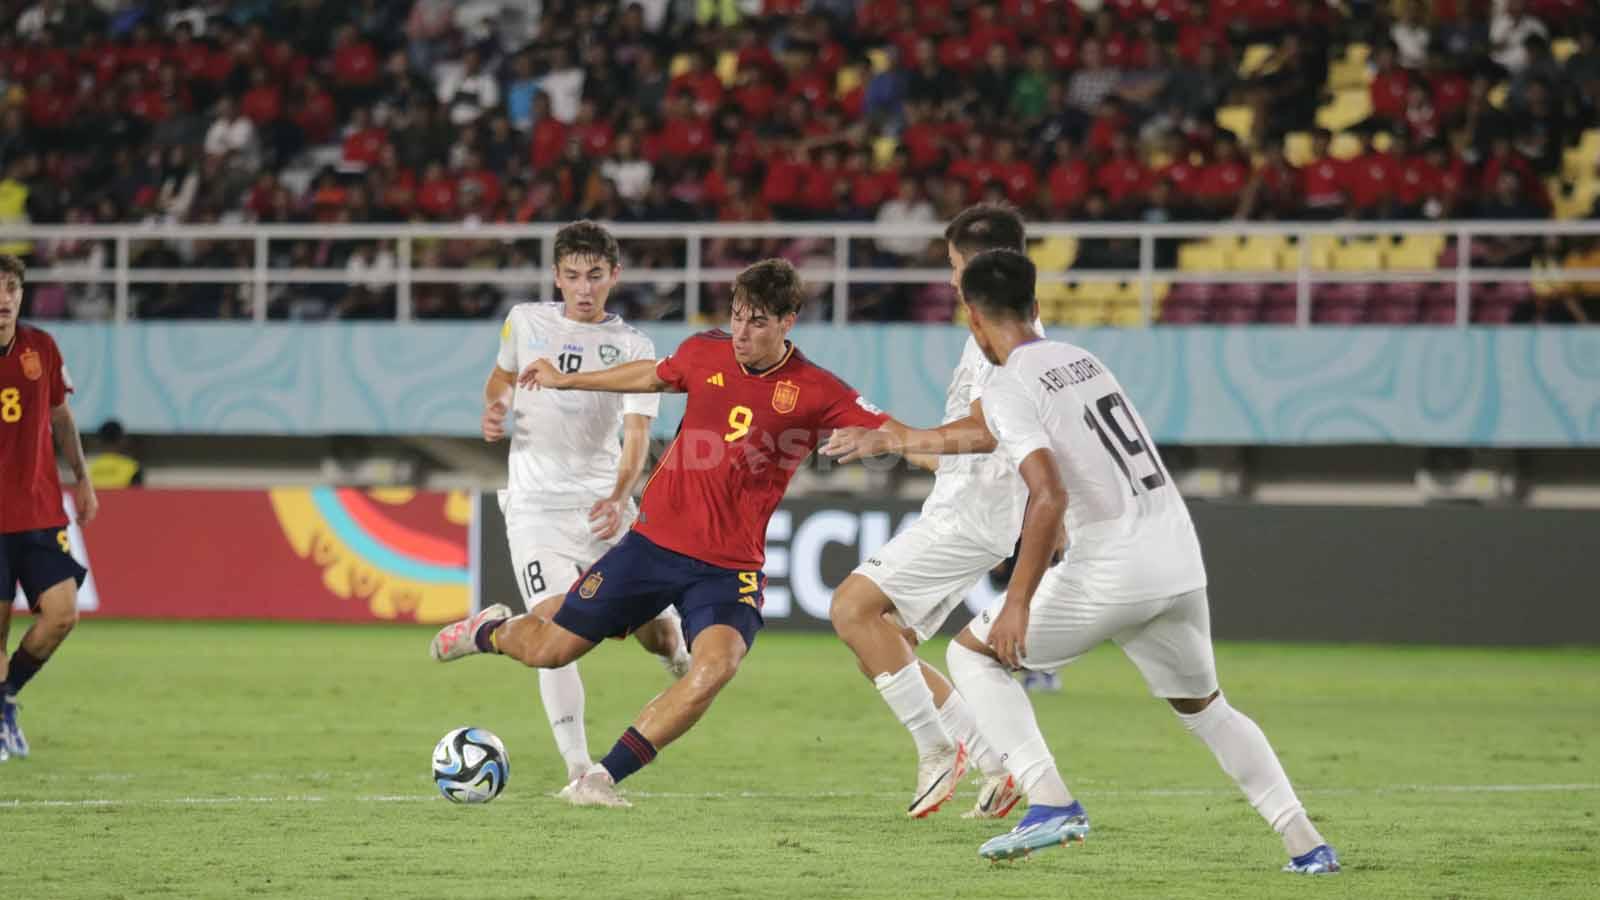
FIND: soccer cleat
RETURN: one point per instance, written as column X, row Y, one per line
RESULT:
column 1041, row 682
column 460, row 639
column 1321, row 861
column 937, row 777
column 10, row 730
column 1042, row 827
column 996, row 797
column 594, row 788
column 677, row 665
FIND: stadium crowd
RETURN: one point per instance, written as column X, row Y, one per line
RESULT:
column 516, row 111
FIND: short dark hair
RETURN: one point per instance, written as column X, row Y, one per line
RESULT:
column 987, row 226
column 771, row 286
column 1000, row 282
column 586, row 238
column 111, row 431
column 13, row 265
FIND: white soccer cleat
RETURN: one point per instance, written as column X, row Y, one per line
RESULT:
column 594, row 788
column 937, row 777
column 460, row 638
column 996, row 797
column 677, row 665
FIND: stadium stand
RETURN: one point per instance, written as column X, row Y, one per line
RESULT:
column 809, row 110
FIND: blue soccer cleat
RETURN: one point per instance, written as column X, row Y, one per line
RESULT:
column 10, row 732
column 1041, row 682
column 1321, row 861
column 1042, row 827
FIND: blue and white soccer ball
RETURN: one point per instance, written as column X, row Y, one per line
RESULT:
column 470, row 765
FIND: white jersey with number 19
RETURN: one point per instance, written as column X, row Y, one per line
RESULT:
column 1129, row 533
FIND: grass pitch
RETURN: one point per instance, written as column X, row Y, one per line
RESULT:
column 244, row 760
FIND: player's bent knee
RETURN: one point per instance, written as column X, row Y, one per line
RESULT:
column 855, row 604
column 58, row 608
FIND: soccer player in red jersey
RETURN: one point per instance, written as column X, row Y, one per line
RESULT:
column 756, row 409
column 34, row 549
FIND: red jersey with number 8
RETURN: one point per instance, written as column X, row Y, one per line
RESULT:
column 742, row 437
column 33, row 381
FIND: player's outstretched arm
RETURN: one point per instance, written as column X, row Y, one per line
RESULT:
column 65, row 431
column 637, row 377
column 968, row 435
column 1041, row 530
column 497, row 394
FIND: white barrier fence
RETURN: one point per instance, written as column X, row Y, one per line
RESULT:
column 840, row 274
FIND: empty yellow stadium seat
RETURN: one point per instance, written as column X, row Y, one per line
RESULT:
column 728, row 67
column 1348, row 73
column 1349, row 106
column 1297, row 148
column 1126, row 316
column 1413, row 256
column 1498, row 94
column 1202, row 257
column 1237, row 119
column 1322, row 250
column 1052, row 291
column 1255, row 56
column 1345, row 146
column 1085, row 315
column 1054, row 253
column 1358, row 256
column 1261, row 253
column 1097, row 292
column 883, row 151
column 1561, row 48
column 680, row 64
column 848, row 79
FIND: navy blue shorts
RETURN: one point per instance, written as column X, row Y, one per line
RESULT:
column 40, row 560
column 635, row 580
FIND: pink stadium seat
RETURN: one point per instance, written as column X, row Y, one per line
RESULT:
column 1241, row 313
column 1191, row 292
column 1277, row 313
column 1396, row 312
column 1492, row 312
column 1182, row 313
column 1435, row 312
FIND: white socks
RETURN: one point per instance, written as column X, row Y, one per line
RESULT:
column 961, row 726
column 562, row 692
column 1247, row 757
column 1005, row 717
column 912, row 703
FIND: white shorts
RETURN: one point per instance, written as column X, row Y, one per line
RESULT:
column 926, row 570
column 1168, row 638
column 551, row 548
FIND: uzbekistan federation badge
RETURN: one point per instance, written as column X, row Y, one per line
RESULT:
column 590, row 585
column 32, row 368
column 784, row 396
column 609, row 354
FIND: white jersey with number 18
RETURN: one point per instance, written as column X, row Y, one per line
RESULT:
column 1129, row 533
column 565, row 445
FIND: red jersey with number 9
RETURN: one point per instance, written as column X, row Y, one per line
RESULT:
column 33, row 381
column 742, row 437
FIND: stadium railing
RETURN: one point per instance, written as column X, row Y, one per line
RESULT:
column 840, row 273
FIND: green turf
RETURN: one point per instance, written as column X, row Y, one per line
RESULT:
column 248, row 759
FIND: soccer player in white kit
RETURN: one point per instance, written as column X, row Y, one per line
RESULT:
column 906, row 590
column 568, row 499
column 1134, row 573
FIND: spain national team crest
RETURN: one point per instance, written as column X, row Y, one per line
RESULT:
column 590, row 585
column 609, row 354
column 785, row 395
column 32, row 368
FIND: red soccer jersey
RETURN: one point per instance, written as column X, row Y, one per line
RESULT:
column 742, row 437
column 33, row 381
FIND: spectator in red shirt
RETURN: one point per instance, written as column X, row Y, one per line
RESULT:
column 355, row 66
column 1122, row 177
column 1371, row 178
column 263, row 103
column 1222, row 182
column 1069, row 181
column 436, row 197
column 684, row 135
column 1389, row 88
column 549, row 135
column 700, row 82
column 1322, row 183
column 363, row 141
column 1016, row 175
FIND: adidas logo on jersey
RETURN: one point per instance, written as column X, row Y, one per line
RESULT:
column 716, row 380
